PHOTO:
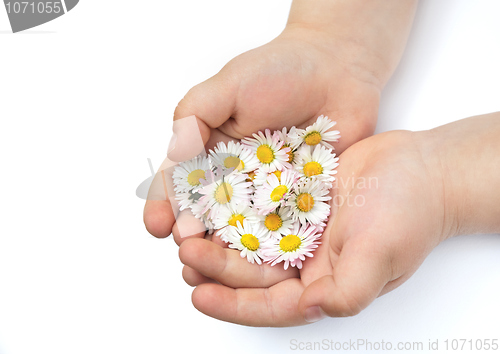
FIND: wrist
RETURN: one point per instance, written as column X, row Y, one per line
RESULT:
column 465, row 156
column 367, row 35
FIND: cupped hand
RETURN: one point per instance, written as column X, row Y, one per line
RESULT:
column 301, row 74
column 388, row 213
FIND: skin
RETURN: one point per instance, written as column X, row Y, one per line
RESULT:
column 332, row 55
column 330, row 58
column 426, row 187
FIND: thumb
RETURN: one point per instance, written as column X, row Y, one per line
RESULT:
column 206, row 106
column 358, row 277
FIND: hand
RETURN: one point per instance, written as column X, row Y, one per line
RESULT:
column 388, row 213
column 398, row 195
column 316, row 66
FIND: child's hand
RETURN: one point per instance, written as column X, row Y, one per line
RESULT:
column 301, row 74
column 398, row 195
column 389, row 218
column 333, row 58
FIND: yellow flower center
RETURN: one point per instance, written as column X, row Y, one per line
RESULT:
column 313, row 138
column 250, row 241
column 278, row 193
column 265, row 154
column 305, row 202
column 277, row 173
column 313, row 168
column 251, row 175
column 290, row 154
column 233, row 161
column 235, row 219
column 290, row 243
column 273, row 222
column 223, row 193
column 195, row 176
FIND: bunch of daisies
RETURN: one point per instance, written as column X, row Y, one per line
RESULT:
column 266, row 196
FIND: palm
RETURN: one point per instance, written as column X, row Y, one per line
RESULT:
column 290, row 82
column 287, row 82
column 283, row 83
column 370, row 246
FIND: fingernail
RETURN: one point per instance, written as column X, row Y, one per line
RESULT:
column 171, row 145
column 314, row 314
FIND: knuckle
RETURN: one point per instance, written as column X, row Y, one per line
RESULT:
column 348, row 307
column 181, row 109
column 185, row 107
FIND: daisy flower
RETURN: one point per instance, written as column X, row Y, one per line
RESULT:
column 234, row 155
column 320, row 227
column 307, row 202
column 231, row 190
column 261, row 177
column 268, row 150
column 208, row 223
column 292, row 248
column 287, row 142
column 187, row 199
column 277, row 223
column 266, row 195
column 316, row 134
column 251, row 175
column 232, row 216
column 248, row 238
column 188, row 175
column 320, row 163
column 274, row 192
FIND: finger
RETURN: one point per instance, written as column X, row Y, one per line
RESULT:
column 194, row 278
column 160, row 209
column 187, row 226
column 275, row 306
column 205, row 107
column 358, row 277
column 218, row 241
column 227, row 267
column 357, row 120
column 358, row 130
column 158, row 218
column 217, row 136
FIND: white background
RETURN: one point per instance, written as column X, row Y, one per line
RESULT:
column 85, row 99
